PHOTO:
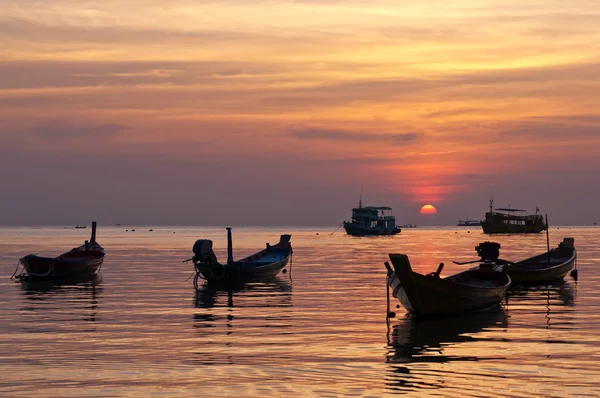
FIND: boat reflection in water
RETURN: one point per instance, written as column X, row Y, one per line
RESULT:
column 555, row 300
column 271, row 292
column 74, row 296
column 414, row 342
column 231, row 320
column 560, row 292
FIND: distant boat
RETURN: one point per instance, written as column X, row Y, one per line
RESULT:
column 371, row 220
column 80, row 226
column 505, row 221
column 86, row 259
column 263, row 264
column 471, row 290
column 469, row 223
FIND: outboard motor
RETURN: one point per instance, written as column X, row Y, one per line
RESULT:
column 205, row 262
column 488, row 251
column 203, row 252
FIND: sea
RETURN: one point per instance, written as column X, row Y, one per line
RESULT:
column 320, row 329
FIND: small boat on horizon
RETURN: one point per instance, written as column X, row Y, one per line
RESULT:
column 505, row 221
column 371, row 220
column 265, row 263
column 86, row 259
column 426, row 295
column 468, row 223
column 80, row 226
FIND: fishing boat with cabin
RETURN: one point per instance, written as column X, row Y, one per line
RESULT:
column 505, row 221
column 85, row 260
column 371, row 220
column 263, row 264
column 426, row 295
column 469, row 223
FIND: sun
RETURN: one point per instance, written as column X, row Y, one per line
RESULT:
column 428, row 210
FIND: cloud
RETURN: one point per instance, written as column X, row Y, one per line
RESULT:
column 62, row 131
column 314, row 133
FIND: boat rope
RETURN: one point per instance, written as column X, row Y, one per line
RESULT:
column 389, row 314
column 574, row 273
column 34, row 274
column 201, row 273
column 217, row 277
column 16, row 269
column 198, row 275
column 338, row 228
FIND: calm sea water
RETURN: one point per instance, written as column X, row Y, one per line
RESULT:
column 142, row 329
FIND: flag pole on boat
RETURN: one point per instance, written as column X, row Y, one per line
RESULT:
column 548, row 238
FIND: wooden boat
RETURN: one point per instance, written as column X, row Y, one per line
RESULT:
column 86, row 259
column 547, row 267
column 471, row 290
column 505, row 221
column 371, row 220
column 263, row 264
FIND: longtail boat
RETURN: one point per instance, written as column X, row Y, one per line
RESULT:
column 547, row 267
column 471, row 290
column 86, row 259
column 263, row 264
column 550, row 266
column 371, row 220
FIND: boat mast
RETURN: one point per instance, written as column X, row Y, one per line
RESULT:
column 360, row 200
column 229, row 246
column 93, row 238
column 491, row 205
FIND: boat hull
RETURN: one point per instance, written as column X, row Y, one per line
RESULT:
column 50, row 268
column 500, row 228
column 425, row 295
column 357, row 230
column 239, row 271
column 547, row 267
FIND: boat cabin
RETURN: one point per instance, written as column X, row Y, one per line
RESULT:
column 373, row 217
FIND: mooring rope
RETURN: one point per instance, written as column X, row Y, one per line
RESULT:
column 34, row 274
column 338, row 228
column 16, row 269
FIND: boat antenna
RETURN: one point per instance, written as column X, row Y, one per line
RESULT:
column 491, row 205
column 360, row 200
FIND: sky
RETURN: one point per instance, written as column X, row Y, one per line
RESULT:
column 280, row 112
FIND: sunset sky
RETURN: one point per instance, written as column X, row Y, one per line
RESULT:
column 277, row 112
